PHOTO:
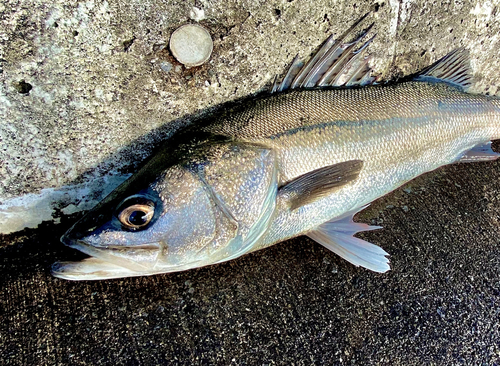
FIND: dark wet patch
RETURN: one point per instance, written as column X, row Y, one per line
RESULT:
column 23, row 87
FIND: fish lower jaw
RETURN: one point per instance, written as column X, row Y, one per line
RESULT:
column 112, row 262
column 92, row 269
column 108, row 261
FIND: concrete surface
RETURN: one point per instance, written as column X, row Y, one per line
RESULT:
column 88, row 89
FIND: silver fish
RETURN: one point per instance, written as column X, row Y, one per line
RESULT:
column 302, row 160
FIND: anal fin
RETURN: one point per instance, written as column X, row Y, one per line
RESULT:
column 337, row 236
column 482, row 152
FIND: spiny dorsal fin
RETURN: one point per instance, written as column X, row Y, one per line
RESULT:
column 453, row 68
column 320, row 182
column 337, row 63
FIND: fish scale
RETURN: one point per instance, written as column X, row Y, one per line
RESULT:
column 390, row 121
column 399, row 131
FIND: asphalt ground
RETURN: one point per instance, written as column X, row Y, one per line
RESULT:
column 292, row 304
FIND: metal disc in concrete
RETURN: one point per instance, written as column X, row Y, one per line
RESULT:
column 191, row 45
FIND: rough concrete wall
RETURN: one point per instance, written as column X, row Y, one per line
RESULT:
column 88, row 88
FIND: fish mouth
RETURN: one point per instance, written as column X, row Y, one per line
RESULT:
column 114, row 261
column 111, row 261
column 92, row 269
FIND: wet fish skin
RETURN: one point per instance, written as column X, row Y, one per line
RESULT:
column 399, row 132
column 236, row 182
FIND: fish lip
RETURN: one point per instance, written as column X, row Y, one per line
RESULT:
column 66, row 239
column 81, row 244
column 105, row 253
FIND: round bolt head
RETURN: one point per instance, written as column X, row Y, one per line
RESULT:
column 191, row 45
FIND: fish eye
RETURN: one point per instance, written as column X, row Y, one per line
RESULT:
column 136, row 212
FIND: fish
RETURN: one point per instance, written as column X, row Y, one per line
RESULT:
column 326, row 141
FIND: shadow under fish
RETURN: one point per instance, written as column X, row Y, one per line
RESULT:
column 301, row 160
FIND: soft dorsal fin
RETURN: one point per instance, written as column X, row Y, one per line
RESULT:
column 320, row 182
column 336, row 63
column 453, row 68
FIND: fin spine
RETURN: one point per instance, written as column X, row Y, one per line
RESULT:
column 334, row 64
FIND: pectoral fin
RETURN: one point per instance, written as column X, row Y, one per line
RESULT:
column 320, row 182
column 337, row 235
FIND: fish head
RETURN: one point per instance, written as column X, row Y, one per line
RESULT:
column 182, row 218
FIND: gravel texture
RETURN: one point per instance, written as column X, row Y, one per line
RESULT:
column 90, row 88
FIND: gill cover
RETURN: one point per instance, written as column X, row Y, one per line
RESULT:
column 243, row 181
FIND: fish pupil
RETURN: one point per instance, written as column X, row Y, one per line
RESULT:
column 138, row 218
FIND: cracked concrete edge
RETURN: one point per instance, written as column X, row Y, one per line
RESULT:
column 30, row 210
column 103, row 92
